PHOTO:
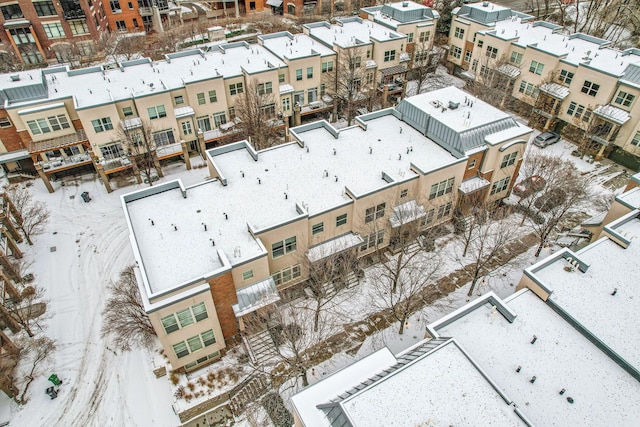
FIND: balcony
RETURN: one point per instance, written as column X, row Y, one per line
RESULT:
column 62, row 163
column 169, row 150
column 145, row 11
column 392, row 87
column 115, row 165
column 76, row 138
column 74, row 14
column 317, row 106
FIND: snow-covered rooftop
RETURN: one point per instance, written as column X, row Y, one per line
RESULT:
column 602, row 393
column 94, row 86
column 631, row 198
column 399, row 13
column 589, row 296
column 350, row 32
column 287, row 46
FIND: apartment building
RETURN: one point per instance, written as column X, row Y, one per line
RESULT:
column 574, row 83
column 562, row 350
column 317, row 199
column 378, row 53
column 39, row 31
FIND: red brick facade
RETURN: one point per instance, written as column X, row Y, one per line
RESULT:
column 224, row 296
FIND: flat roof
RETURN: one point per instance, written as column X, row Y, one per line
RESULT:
column 288, row 46
column 443, row 386
column 587, row 296
column 561, row 358
column 631, row 197
column 353, row 32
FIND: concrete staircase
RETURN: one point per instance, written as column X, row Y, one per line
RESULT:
column 260, row 347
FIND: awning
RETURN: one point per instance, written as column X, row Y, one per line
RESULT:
column 406, row 213
column 183, row 112
column 274, row 3
column 473, row 184
column 556, row 90
column 509, row 70
column 133, row 123
column 369, row 64
column 613, row 114
column 398, row 69
column 13, row 156
column 286, row 88
column 334, row 246
column 256, row 296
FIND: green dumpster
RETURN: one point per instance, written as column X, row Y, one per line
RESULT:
column 55, row 380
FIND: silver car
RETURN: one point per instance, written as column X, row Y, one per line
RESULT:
column 546, row 138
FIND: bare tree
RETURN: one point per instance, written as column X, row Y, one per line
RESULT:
column 256, row 111
column 21, row 311
column 122, row 47
column 139, row 142
column 348, row 85
column 34, row 214
column 125, row 320
column 424, row 65
column 36, row 351
column 486, row 247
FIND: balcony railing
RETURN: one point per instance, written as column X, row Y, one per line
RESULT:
column 169, row 150
column 65, row 162
column 118, row 163
column 75, row 138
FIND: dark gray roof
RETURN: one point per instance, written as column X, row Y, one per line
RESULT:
column 407, row 15
column 483, row 16
column 631, row 75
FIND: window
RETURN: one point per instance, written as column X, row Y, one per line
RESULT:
column 101, row 125
column 371, row 240
column 280, row 78
column 444, row 210
column 441, row 188
column 265, row 88
column 53, row 30
column 579, row 111
column 410, row 38
column 181, row 349
column 474, row 65
column 44, row 8
column 355, row 62
column 127, row 111
column 115, row 6
column 164, row 137
column 309, row 72
column 459, row 33
column 283, row 247
column 78, row 26
column 536, row 67
column 178, row 100
column 312, row 94
column 322, row 89
column 130, row 6
column 232, row 113
column 528, row 89
column 219, row 119
column 500, row 186
column 112, row 151
column 247, row 275
column 327, row 67
column 424, row 36
column 456, row 52
column 636, row 140
column 235, row 88
column 121, row 26
column 201, row 98
column 590, row 88
column 480, row 44
column 170, row 324
column 404, row 193
column 572, row 108
column 208, row 338
column 186, row 128
column 516, row 58
column 341, row 220
column 286, row 104
column 374, row 212
column 157, row 112
column 566, row 77
column 472, row 164
column 286, row 274
column 204, row 124
column 185, row 317
column 5, row 122
column 368, row 54
column 421, row 55
column 430, row 215
column 389, row 55
column 484, row 71
column 298, row 97
column 509, row 159
column 492, row 52
column 467, row 55
column 624, row 98
column 213, row 97
column 199, row 311
column 317, row 228
column 299, row 75
column 11, row 11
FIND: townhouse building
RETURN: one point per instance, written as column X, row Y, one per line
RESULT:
column 33, row 32
column 541, row 356
column 207, row 255
column 574, row 83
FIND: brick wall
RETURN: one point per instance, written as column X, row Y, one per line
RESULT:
column 10, row 138
column 224, row 296
column 470, row 173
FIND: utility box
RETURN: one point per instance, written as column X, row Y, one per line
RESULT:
column 85, row 196
column 55, row 380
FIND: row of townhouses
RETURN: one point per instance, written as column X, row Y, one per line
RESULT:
column 575, row 81
column 55, row 121
column 561, row 350
column 209, row 260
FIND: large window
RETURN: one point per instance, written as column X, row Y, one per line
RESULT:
column 53, row 30
column 516, row 58
column 49, row 124
column 164, row 137
column 424, row 36
column 590, row 88
column 500, row 186
column 11, row 11
column 372, row 240
column 456, row 52
column 536, row 67
column 112, row 151
column 115, row 6
column 219, row 119
column 444, row 210
column 459, row 33
column 185, row 317
column 624, row 98
column 492, row 52
column 44, row 8
column 509, row 159
column 389, row 55
column 264, row 88
column 187, row 129
column 284, row 247
column 565, row 77
column 236, row 88
column 102, row 125
column 157, row 112
column 579, row 111
column 204, row 124
column 78, row 26
column 410, row 38
column 195, row 343
column 528, row 89
column 22, row 36
column 286, row 274
column 441, row 188
column 374, row 212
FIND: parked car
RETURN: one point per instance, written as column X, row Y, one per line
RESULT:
column 550, row 200
column 546, row 138
column 529, row 185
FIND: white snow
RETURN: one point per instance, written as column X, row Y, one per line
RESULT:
column 288, row 46
column 353, row 32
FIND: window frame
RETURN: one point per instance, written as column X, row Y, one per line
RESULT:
column 159, row 112
column 317, row 228
column 590, row 88
column 341, row 220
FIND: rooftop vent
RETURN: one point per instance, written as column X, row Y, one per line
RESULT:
column 15, row 77
column 485, row 4
column 405, row 4
column 453, row 105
